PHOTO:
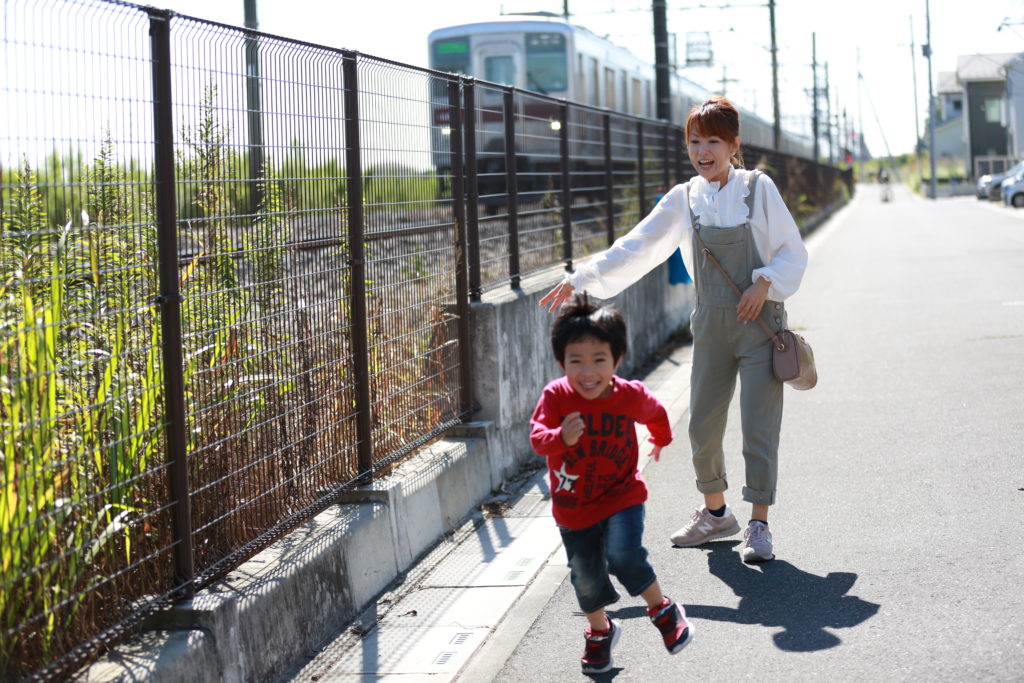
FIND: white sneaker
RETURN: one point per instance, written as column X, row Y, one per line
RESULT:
column 757, row 543
column 704, row 526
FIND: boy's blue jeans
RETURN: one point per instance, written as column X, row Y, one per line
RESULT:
column 612, row 546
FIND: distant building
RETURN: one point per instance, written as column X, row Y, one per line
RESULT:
column 1015, row 105
column 950, row 134
column 987, row 116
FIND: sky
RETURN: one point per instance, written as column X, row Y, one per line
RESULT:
column 878, row 32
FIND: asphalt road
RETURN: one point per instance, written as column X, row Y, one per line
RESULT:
column 899, row 527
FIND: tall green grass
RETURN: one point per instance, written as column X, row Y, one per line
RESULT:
column 77, row 405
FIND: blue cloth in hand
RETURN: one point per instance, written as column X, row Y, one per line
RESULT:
column 677, row 274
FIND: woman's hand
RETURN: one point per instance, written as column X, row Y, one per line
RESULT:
column 752, row 301
column 655, row 453
column 557, row 296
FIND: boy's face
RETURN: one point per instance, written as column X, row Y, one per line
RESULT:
column 589, row 366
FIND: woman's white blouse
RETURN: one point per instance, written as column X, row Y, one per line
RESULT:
column 653, row 240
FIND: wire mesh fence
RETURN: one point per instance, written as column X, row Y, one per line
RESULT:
column 235, row 275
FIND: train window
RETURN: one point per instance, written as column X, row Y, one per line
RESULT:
column 592, row 81
column 450, row 54
column 636, row 98
column 581, row 80
column 500, row 69
column 609, row 88
column 546, row 68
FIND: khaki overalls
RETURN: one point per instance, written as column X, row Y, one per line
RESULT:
column 722, row 346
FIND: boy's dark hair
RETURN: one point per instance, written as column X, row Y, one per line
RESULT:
column 580, row 319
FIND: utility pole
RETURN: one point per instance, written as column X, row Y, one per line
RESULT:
column 253, row 98
column 860, row 123
column 725, row 80
column 847, row 143
column 917, row 119
column 662, row 86
column 777, row 127
column 927, row 48
column 828, row 117
column 565, row 9
column 814, row 96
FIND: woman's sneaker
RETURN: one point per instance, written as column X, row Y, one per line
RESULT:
column 597, row 657
column 757, row 543
column 670, row 619
column 704, row 526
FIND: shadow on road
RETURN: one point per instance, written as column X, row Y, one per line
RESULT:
column 778, row 594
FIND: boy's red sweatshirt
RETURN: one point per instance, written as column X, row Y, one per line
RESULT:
column 598, row 476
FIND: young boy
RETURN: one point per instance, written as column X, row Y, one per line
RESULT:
column 584, row 426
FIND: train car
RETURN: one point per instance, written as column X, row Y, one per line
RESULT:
column 548, row 55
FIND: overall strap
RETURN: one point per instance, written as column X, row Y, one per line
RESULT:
column 751, row 184
column 693, row 216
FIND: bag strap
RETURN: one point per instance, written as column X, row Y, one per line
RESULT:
column 779, row 344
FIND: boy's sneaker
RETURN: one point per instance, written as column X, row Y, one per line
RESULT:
column 670, row 619
column 757, row 543
column 704, row 526
column 597, row 658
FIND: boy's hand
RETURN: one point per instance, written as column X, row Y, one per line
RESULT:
column 752, row 300
column 572, row 428
column 655, row 453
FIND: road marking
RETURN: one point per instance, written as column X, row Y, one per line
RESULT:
column 1003, row 210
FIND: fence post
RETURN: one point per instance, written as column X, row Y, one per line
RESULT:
column 666, row 183
column 461, row 285
column 169, row 301
column 563, row 156
column 472, row 188
column 609, row 178
column 357, row 262
column 681, row 155
column 512, row 186
column 640, row 174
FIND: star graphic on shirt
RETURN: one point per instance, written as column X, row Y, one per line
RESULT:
column 565, row 480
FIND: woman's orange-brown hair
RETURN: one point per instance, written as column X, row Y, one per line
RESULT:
column 718, row 117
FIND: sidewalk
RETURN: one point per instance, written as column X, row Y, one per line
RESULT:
column 897, row 526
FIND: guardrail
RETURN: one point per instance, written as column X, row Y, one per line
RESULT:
column 237, row 272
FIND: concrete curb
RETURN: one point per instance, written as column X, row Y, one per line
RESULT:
column 253, row 623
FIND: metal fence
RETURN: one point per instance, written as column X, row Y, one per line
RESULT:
column 235, row 273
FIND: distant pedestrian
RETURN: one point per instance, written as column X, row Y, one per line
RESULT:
column 583, row 426
column 744, row 222
column 883, row 181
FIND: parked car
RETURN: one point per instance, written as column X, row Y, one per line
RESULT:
column 989, row 186
column 981, row 188
column 1013, row 191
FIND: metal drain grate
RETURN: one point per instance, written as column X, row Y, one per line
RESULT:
column 442, row 658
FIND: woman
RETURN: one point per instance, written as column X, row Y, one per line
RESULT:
column 744, row 222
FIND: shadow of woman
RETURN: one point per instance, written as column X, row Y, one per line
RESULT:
column 778, row 594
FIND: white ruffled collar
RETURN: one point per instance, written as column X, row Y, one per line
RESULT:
column 704, row 195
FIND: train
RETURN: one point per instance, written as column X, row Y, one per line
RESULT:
column 549, row 55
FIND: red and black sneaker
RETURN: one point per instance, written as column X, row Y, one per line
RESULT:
column 597, row 658
column 670, row 619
